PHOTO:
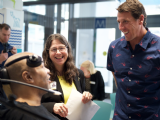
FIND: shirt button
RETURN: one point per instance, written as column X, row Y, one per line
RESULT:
column 132, row 55
column 128, row 91
column 130, row 68
column 129, row 117
column 129, row 105
column 129, row 80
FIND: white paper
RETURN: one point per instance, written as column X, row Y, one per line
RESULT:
column 77, row 110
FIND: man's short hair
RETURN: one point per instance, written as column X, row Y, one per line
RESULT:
column 135, row 7
column 5, row 26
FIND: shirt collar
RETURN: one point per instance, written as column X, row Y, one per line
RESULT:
column 124, row 41
column 145, row 40
column 143, row 43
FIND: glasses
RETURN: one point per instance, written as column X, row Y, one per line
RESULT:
column 61, row 49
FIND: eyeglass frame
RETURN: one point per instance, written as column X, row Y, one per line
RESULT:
column 58, row 49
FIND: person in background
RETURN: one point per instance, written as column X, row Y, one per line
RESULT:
column 94, row 80
column 5, row 31
column 134, row 60
column 57, row 57
column 31, row 70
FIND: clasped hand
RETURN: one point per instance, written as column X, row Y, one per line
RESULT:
column 60, row 109
column 86, row 97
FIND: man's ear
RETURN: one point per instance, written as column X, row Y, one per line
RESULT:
column 141, row 18
column 27, row 77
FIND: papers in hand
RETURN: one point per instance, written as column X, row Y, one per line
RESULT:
column 77, row 110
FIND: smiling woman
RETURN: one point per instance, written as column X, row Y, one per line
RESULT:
column 57, row 56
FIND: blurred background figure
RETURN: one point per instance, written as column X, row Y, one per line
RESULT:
column 94, row 80
column 6, row 50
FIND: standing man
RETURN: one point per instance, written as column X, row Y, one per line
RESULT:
column 5, row 31
column 134, row 60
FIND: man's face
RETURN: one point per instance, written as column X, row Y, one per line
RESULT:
column 5, row 35
column 128, row 25
column 41, row 76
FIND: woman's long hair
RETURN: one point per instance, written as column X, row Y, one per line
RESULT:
column 69, row 70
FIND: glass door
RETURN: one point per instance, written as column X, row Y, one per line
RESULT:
column 84, row 46
column 104, row 36
column 36, row 39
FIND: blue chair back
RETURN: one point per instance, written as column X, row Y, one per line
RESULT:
column 113, row 99
column 104, row 111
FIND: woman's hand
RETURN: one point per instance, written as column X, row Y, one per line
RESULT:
column 86, row 97
column 60, row 109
